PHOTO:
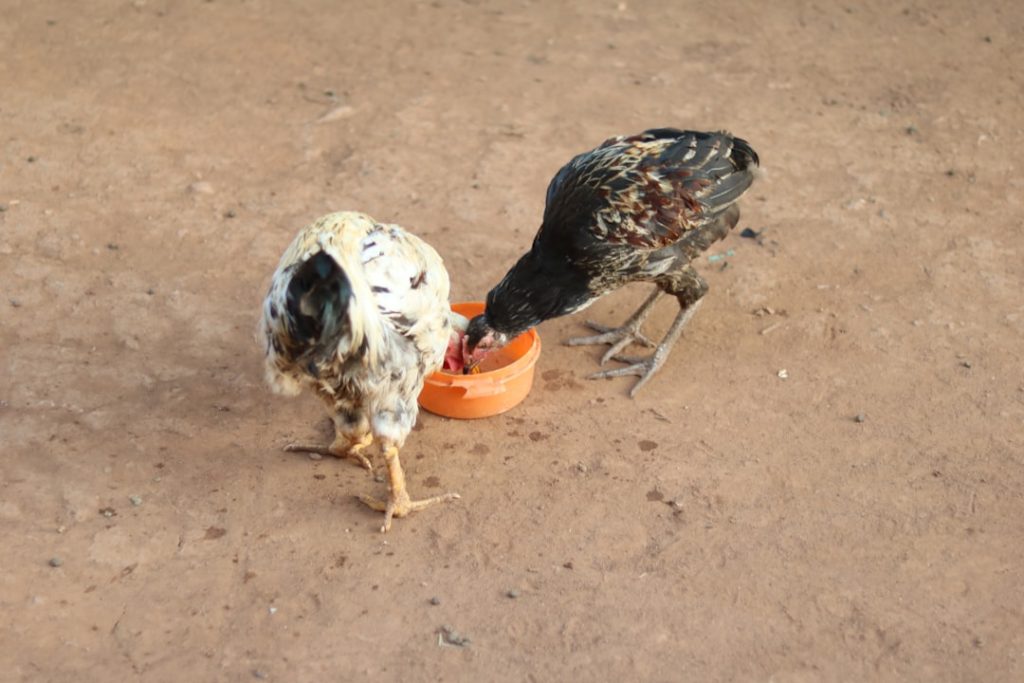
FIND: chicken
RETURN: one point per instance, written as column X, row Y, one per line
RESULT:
column 636, row 209
column 358, row 312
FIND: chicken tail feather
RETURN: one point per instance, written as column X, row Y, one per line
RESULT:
column 317, row 302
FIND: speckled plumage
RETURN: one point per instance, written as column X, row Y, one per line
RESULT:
column 393, row 329
column 398, row 317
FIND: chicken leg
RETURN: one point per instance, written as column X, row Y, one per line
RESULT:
column 645, row 368
column 689, row 289
column 623, row 336
column 398, row 503
column 348, row 447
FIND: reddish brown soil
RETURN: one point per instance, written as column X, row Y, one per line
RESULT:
column 726, row 525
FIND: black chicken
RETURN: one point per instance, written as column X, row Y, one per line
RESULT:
column 637, row 208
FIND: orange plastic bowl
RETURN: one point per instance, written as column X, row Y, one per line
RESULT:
column 467, row 397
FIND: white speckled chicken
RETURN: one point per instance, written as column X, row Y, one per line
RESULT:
column 358, row 312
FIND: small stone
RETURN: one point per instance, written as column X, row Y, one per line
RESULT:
column 56, row 562
column 272, row 610
column 31, row 160
column 337, row 113
column 568, row 565
column 910, row 130
column 16, row 303
column 860, row 417
column 61, row 529
column 450, row 636
column 259, row 673
column 512, row 593
column 315, row 456
column 135, row 500
column 750, row 233
column 379, row 478
column 113, row 246
column 783, row 374
column 201, row 187
column 230, row 213
column 435, row 601
column 108, row 512
column 966, row 364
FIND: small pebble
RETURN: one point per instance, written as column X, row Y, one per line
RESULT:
column 31, row 160
column 113, row 246
column 230, row 213
column 379, row 478
column 259, row 673
column 135, row 500
column 452, row 637
column 16, row 303
column 966, row 364
column 513, row 593
column 783, row 374
column 859, row 417
column 56, row 562
column 750, row 233
column 201, row 187
column 315, row 456
column 568, row 565
column 435, row 601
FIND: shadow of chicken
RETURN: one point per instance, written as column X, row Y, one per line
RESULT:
column 636, row 209
column 358, row 312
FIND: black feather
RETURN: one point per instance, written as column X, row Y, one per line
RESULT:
column 317, row 304
column 634, row 200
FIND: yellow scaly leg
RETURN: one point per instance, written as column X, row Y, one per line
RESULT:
column 398, row 503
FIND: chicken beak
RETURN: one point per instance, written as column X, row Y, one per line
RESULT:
column 471, row 366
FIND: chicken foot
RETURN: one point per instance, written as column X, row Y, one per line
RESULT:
column 622, row 336
column 398, row 503
column 645, row 368
column 343, row 447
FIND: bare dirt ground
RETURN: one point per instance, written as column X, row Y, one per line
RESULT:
column 728, row 524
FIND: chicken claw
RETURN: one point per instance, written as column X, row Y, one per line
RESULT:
column 619, row 337
column 341, row 448
column 399, row 504
column 644, row 368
